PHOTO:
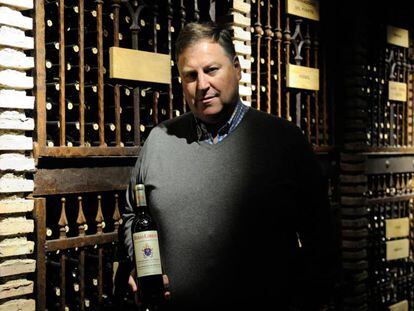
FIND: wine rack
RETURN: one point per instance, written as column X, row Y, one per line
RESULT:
column 97, row 124
column 101, row 113
column 390, row 206
column 81, row 110
column 376, row 165
column 377, row 230
column 280, row 38
column 78, row 262
column 82, row 114
column 377, row 120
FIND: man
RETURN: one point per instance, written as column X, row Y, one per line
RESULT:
column 243, row 214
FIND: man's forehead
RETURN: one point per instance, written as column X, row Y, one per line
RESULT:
column 203, row 45
column 210, row 50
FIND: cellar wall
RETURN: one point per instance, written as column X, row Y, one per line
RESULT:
column 71, row 127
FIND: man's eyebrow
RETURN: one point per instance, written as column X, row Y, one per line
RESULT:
column 187, row 71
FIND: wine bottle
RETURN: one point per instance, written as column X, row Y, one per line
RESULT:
column 53, row 291
column 72, row 277
column 71, row 13
column 110, row 133
column 147, row 254
column 110, row 127
column 52, row 3
column 90, row 32
column 54, row 68
column 91, row 73
column 75, row 106
column 52, row 87
column 127, row 134
column 128, row 127
column 52, row 45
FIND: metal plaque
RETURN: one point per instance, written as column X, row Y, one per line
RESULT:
column 399, row 306
column 397, row 91
column 139, row 65
column 397, row 36
column 397, row 249
column 304, row 8
column 301, row 77
column 397, row 228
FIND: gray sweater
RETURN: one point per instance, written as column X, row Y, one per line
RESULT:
column 230, row 215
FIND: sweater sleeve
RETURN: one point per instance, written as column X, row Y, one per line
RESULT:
column 128, row 215
column 316, row 229
column 138, row 175
column 128, row 212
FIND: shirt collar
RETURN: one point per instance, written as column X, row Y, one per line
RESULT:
column 203, row 133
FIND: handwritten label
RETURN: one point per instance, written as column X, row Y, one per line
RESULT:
column 397, row 91
column 397, row 249
column 397, row 228
column 304, row 8
column 397, row 36
column 301, row 77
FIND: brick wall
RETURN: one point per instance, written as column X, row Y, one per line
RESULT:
column 16, row 158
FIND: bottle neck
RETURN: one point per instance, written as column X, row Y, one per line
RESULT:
column 141, row 208
column 140, row 199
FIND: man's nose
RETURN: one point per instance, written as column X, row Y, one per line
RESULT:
column 202, row 82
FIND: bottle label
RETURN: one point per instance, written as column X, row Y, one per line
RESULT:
column 147, row 253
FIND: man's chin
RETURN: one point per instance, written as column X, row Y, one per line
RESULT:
column 209, row 115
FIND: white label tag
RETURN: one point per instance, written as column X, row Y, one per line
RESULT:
column 147, row 253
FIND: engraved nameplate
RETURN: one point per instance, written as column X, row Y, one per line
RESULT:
column 304, row 8
column 398, row 249
column 139, row 65
column 399, row 306
column 397, row 36
column 397, row 91
column 301, row 77
column 397, row 228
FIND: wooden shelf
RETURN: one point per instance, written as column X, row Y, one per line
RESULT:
column 80, row 152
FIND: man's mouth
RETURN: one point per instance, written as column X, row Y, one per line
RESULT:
column 206, row 99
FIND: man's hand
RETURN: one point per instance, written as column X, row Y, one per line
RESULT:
column 133, row 285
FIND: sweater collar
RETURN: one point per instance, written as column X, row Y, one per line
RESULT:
column 227, row 128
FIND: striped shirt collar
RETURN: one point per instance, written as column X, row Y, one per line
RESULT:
column 204, row 135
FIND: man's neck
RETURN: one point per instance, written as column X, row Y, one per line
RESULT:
column 222, row 119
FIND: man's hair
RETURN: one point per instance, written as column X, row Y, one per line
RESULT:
column 194, row 32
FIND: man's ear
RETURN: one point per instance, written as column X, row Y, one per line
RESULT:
column 236, row 64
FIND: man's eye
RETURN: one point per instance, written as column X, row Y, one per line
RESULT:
column 191, row 76
column 212, row 69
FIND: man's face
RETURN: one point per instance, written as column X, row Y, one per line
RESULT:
column 210, row 79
